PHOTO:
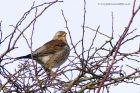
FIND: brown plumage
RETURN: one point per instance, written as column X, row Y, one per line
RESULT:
column 53, row 53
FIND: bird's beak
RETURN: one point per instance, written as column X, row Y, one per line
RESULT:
column 65, row 34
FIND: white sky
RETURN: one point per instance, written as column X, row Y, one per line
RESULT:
column 52, row 21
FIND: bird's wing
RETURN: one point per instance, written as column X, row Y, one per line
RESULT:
column 49, row 48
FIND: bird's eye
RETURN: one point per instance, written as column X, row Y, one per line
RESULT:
column 60, row 35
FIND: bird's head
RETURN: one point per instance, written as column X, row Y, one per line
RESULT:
column 60, row 35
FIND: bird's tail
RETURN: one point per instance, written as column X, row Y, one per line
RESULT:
column 27, row 56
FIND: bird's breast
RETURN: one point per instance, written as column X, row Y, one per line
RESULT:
column 43, row 60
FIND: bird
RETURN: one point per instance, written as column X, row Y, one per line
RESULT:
column 53, row 53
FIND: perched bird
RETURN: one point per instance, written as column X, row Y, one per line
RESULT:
column 53, row 53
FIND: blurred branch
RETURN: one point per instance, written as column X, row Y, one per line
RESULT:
column 118, row 45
